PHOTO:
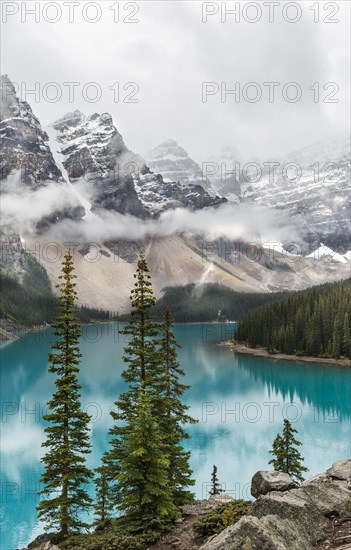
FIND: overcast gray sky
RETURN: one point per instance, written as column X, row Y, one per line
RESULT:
column 170, row 51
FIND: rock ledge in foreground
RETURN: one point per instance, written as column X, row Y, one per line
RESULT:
column 290, row 519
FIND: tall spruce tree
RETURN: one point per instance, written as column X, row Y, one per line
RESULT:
column 145, row 495
column 173, row 415
column 68, row 442
column 143, row 357
column 215, row 485
column 152, row 374
column 286, row 457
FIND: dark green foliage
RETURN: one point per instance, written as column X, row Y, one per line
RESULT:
column 30, row 301
column 146, row 464
column 346, row 336
column 65, row 473
column 110, row 541
column 286, row 457
column 104, row 505
column 141, row 353
column 173, row 415
column 278, row 462
column 145, row 496
column 221, row 517
column 315, row 322
column 215, row 485
column 143, row 358
column 88, row 314
column 195, row 304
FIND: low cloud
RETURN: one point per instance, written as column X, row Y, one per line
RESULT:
column 22, row 209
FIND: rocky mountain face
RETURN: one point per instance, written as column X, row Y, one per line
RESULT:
column 26, row 161
column 93, row 153
column 23, row 142
column 174, row 163
column 115, row 178
column 179, row 260
column 89, row 151
column 313, row 182
column 86, row 157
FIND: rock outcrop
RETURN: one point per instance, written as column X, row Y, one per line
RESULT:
column 265, row 482
column 26, row 161
column 294, row 518
column 23, row 142
column 340, row 470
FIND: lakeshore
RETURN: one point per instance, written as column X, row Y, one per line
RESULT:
column 261, row 352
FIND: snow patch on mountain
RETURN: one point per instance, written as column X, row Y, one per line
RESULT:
column 326, row 253
column 58, row 157
column 276, row 246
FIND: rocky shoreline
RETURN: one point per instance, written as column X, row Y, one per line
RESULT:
column 261, row 352
column 315, row 515
column 11, row 330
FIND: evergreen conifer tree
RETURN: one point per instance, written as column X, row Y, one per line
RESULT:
column 278, row 461
column 65, row 472
column 145, row 496
column 143, row 357
column 313, row 322
column 153, row 376
column 172, row 414
column 286, row 457
column 103, row 497
column 215, row 485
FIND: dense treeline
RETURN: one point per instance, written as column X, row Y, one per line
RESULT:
column 316, row 322
column 30, row 301
column 27, row 300
column 192, row 303
column 87, row 314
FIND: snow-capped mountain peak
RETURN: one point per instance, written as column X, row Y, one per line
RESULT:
column 113, row 177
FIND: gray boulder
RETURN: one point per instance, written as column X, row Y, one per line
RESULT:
column 293, row 506
column 251, row 533
column 264, row 482
column 340, row 470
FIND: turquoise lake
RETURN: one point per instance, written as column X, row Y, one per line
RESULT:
column 240, row 402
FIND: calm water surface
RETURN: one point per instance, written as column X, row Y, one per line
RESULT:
column 240, row 402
